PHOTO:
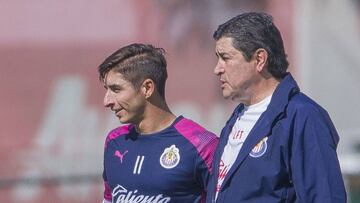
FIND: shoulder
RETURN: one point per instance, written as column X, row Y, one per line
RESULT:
column 204, row 141
column 309, row 116
column 306, row 106
column 189, row 128
column 195, row 133
column 117, row 132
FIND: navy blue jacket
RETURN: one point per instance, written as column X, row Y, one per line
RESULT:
column 289, row 156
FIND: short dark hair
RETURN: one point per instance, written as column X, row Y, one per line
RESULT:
column 251, row 31
column 137, row 62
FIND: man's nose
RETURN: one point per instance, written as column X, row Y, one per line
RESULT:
column 218, row 68
column 108, row 101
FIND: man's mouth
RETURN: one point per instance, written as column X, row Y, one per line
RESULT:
column 222, row 83
column 117, row 111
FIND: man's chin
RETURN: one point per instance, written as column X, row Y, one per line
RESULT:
column 123, row 120
column 232, row 97
column 227, row 96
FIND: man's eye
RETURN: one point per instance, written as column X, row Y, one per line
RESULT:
column 116, row 90
column 225, row 58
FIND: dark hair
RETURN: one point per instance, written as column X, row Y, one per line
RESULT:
column 251, row 31
column 137, row 62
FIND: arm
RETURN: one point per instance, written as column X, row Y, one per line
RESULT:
column 316, row 173
column 107, row 190
column 205, row 159
column 105, row 201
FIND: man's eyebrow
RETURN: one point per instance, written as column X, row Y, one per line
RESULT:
column 111, row 86
column 218, row 53
column 114, row 86
column 221, row 54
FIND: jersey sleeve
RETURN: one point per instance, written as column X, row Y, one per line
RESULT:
column 206, row 149
column 106, row 201
column 107, row 190
column 122, row 130
column 315, row 168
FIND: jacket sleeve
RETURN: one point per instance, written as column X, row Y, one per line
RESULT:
column 315, row 168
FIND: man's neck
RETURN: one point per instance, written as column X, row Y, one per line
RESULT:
column 155, row 119
column 264, row 89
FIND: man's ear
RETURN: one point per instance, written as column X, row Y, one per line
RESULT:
column 147, row 88
column 261, row 57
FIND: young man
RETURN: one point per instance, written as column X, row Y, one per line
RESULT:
column 156, row 156
column 278, row 145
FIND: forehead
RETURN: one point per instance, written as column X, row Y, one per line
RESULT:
column 224, row 45
column 114, row 77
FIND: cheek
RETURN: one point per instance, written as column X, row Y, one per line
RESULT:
column 134, row 102
column 123, row 99
column 234, row 74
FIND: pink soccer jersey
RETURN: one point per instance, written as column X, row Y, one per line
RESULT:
column 169, row 166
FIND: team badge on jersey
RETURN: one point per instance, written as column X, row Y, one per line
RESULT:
column 170, row 157
column 259, row 149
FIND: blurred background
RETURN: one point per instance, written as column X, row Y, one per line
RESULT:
column 53, row 124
